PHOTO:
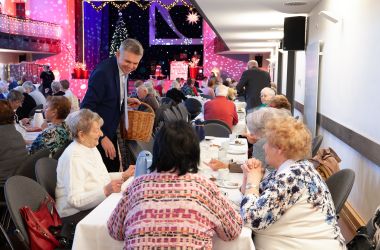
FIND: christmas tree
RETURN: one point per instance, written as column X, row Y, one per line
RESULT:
column 119, row 35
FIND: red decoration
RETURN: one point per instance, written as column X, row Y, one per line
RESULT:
column 193, row 72
column 84, row 74
column 77, row 73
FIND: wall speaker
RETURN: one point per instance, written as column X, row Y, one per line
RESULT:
column 294, row 33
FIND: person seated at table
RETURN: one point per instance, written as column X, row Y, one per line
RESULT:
column 173, row 206
column 56, row 88
column 12, row 147
column 22, row 102
column 82, row 178
column 70, row 95
column 37, row 96
column 57, row 134
column 220, row 108
column 189, row 88
column 256, row 126
column 266, row 94
column 175, row 93
column 209, row 89
column 280, row 102
column 144, row 96
column 292, row 207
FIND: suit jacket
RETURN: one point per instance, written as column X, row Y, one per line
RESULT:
column 220, row 108
column 252, row 81
column 12, row 151
column 103, row 95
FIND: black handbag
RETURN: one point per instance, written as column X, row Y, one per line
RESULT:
column 64, row 234
column 361, row 241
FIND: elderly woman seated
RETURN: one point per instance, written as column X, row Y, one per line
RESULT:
column 292, row 207
column 181, row 208
column 266, row 94
column 256, row 123
column 82, row 178
column 57, row 134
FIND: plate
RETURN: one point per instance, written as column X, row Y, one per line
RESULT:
column 236, row 152
column 237, row 143
column 227, row 184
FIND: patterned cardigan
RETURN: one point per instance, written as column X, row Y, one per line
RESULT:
column 300, row 190
column 171, row 211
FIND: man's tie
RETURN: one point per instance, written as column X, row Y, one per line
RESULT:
column 125, row 85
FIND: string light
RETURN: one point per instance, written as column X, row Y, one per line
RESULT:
column 121, row 6
column 28, row 27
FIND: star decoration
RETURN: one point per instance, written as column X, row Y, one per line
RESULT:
column 192, row 18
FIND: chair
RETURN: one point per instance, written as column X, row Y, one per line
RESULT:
column 194, row 107
column 216, row 128
column 316, row 144
column 46, row 174
column 27, row 168
column 340, row 185
column 22, row 191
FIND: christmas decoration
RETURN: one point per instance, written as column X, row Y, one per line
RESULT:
column 121, row 6
column 192, row 18
column 119, row 35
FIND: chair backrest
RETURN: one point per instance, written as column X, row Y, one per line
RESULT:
column 46, row 174
column 218, row 122
column 27, row 168
column 316, row 144
column 217, row 129
column 22, row 191
column 340, row 185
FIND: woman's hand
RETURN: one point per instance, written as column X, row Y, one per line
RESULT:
column 216, row 165
column 251, row 138
column 253, row 172
column 129, row 172
column 113, row 187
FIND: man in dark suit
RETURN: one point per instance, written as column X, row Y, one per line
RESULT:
column 107, row 93
column 252, row 81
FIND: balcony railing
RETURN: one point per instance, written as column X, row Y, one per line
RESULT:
column 29, row 27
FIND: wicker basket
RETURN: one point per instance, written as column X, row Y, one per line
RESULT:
column 140, row 124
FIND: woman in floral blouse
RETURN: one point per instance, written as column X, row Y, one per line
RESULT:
column 173, row 207
column 292, row 207
column 57, row 134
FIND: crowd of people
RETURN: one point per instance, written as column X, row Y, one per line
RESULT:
column 285, row 201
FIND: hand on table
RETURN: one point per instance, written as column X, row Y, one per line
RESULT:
column 253, row 172
column 216, row 165
column 113, row 187
column 108, row 147
column 25, row 122
column 129, row 172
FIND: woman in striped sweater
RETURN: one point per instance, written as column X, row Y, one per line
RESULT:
column 173, row 206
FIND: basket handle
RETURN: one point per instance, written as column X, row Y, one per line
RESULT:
column 148, row 106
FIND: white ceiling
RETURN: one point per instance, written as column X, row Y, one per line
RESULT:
column 251, row 25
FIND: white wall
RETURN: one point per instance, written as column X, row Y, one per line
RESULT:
column 349, row 86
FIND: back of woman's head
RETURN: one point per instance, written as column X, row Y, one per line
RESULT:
column 290, row 135
column 6, row 113
column 60, row 103
column 176, row 149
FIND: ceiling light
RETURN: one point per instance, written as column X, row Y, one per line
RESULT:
column 329, row 16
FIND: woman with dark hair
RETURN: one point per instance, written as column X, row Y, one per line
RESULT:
column 57, row 134
column 181, row 209
column 12, row 149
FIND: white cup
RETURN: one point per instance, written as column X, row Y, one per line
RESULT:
column 38, row 119
column 223, row 174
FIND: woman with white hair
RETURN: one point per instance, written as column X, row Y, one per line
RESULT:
column 266, row 95
column 3, row 90
column 82, row 178
column 38, row 97
column 56, row 88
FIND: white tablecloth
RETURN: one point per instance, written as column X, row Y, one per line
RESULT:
column 29, row 137
column 91, row 233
